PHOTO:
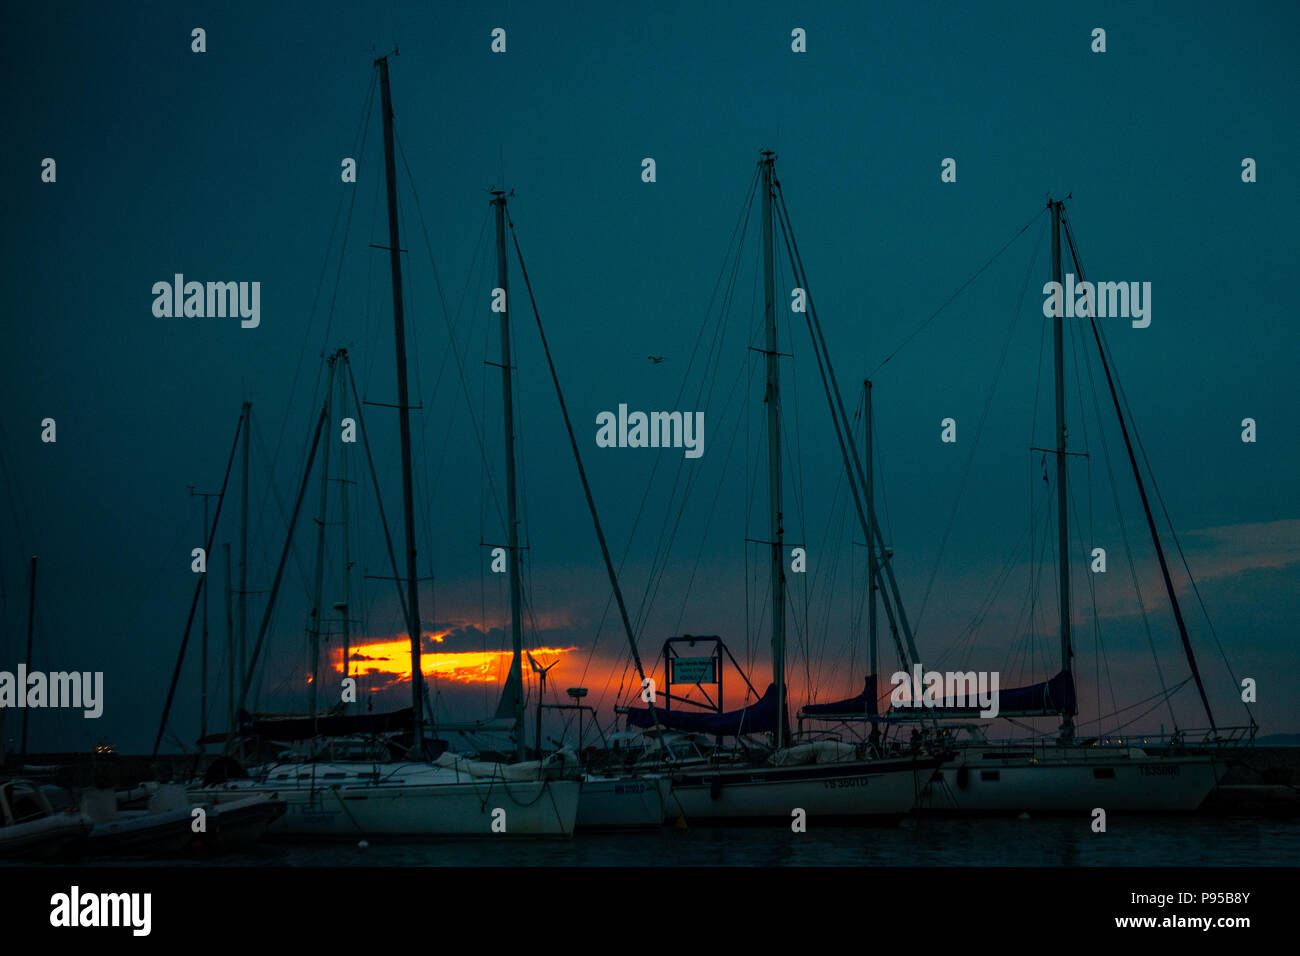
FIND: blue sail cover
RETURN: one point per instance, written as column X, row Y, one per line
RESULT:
column 863, row 704
column 1050, row 697
column 1053, row 696
column 325, row 725
column 759, row 717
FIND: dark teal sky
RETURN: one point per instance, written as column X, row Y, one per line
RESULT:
column 225, row 166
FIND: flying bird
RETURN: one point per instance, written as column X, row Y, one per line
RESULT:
column 655, row 358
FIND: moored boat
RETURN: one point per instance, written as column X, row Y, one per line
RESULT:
column 162, row 828
column 411, row 794
column 1043, row 778
column 31, row 827
column 408, row 798
column 1059, row 773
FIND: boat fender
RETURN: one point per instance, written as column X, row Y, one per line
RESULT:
column 963, row 777
column 715, row 788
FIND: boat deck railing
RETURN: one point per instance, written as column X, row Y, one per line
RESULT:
column 1241, row 736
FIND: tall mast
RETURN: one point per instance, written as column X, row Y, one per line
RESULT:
column 198, row 590
column 203, row 691
column 514, row 680
column 232, row 722
column 773, row 399
column 1062, row 520
column 891, row 597
column 1142, row 491
column 404, row 418
column 247, row 679
column 869, row 493
column 586, row 488
column 243, row 549
column 320, row 546
column 343, row 511
column 27, row 658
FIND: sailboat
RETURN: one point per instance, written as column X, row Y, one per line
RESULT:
column 609, row 800
column 416, row 795
column 827, row 780
column 1065, row 774
column 1072, row 775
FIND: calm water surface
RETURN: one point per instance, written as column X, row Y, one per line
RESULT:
column 1145, row 841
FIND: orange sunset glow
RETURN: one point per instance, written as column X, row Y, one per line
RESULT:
column 391, row 657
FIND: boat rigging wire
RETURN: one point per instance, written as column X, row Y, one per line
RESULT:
column 577, row 457
column 738, row 230
column 1120, row 405
column 194, row 603
column 358, row 150
column 960, row 290
column 979, row 428
column 1108, row 362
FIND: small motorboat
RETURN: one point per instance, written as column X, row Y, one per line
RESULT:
column 162, row 828
column 31, row 827
column 233, row 824
column 161, row 818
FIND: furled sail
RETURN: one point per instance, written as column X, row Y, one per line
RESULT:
column 1055, row 696
column 863, row 705
column 757, row 718
column 305, row 728
column 511, row 693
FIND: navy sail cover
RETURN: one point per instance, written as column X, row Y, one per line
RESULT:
column 757, row 718
column 863, row 704
column 305, row 728
column 1053, row 696
column 1048, row 697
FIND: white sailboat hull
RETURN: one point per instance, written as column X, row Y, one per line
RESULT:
column 1070, row 780
column 623, row 802
column 860, row 792
column 414, row 800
